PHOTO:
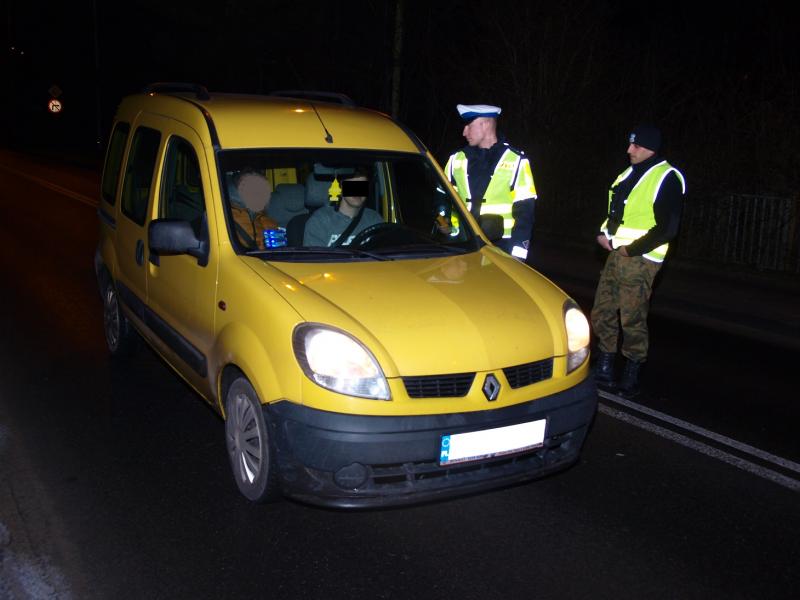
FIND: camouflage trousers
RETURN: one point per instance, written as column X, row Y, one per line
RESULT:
column 622, row 299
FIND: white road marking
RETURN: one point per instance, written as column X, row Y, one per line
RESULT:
column 721, row 439
column 52, row 186
column 726, row 457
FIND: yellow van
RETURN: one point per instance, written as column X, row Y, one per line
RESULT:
column 305, row 266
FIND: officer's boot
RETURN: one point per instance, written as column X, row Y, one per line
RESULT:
column 629, row 385
column 604, row 370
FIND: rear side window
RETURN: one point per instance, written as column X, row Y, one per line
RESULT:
column 139, row 173
column 116, row 149
column 182, row 189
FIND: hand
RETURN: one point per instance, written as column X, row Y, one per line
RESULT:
column 623, row 250
column 604, row 242
column 442, row 225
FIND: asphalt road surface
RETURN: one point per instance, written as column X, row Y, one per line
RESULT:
column 114, row 481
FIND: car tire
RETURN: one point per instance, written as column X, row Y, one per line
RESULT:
column 249, row 444
column 120, row 336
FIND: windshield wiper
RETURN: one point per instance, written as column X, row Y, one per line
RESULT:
column 423, row 249
column 285, row 252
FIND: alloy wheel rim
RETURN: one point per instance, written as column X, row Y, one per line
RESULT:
column 244, row 439
column 111, row 318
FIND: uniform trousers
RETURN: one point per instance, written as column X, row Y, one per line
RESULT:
column 622, row 299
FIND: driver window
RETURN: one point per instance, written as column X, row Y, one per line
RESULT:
column 182, row 190
column 422, row 202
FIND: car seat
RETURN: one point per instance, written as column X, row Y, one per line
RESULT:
column 317, row 184
column 288, row 201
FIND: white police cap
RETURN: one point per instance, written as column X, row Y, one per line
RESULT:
column 473, row 111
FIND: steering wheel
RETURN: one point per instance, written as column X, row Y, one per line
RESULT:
column 386, row 234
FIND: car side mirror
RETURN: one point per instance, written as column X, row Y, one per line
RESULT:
column 492, row 226
column 174, row 236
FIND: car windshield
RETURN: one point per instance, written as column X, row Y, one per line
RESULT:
column 325, row 205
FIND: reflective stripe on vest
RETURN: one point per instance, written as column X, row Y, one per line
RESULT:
column 638, row 216
column 511, row 180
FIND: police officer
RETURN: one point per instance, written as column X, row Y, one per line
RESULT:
column 493, row 177
column 644, row 210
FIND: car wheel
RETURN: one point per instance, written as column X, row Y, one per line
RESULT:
column 250, row 447
column 120, row 336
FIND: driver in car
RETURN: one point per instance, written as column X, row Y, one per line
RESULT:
column 337, row 226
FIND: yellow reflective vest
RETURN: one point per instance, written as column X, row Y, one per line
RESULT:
column 638, row 217
column 511, row 180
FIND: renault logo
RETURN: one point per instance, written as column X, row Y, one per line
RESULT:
column 491, row 387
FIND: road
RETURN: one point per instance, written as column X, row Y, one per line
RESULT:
column 114, row 481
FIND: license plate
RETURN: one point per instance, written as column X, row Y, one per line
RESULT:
column 477, row 445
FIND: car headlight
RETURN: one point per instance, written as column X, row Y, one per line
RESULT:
column 577, row 327
column 336, row 361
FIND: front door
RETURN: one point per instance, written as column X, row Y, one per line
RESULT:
column 182, row 289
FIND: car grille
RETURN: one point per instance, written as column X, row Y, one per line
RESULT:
column 458, row 385
column 439, row 386
column 527, row 374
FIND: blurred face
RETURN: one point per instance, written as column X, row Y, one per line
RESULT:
column 351, row 204
column 638, row 153
column 480, row 132
column 255, row 191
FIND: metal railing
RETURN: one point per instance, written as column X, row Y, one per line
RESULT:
column 755, row 232
column 759, row 232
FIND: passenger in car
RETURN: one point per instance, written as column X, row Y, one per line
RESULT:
column 329, row 226
column 249, row 205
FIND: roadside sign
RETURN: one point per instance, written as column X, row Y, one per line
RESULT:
column 54, row 106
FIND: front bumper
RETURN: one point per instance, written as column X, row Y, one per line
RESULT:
column 351, row 461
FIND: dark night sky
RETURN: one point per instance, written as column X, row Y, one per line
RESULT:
column 573, row 77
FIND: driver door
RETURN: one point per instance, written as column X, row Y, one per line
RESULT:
column 182, row 288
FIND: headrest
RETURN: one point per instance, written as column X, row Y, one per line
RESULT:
column 233, row 193
column 287, row 200
column 318, row 183
column 290, row 195
column 320, row 169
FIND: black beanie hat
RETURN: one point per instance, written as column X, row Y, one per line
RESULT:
column 646, row 136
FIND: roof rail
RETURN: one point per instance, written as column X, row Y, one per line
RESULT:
column 314, row 95
column 200, row 91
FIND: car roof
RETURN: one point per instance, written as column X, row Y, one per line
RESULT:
column 261, row 121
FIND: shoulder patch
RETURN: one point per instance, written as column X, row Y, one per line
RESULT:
column 514, row 149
